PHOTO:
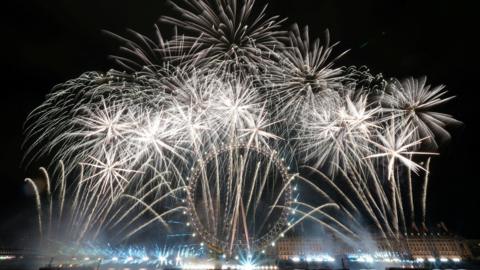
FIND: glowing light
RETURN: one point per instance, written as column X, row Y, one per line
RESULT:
column 198, row 266
column 248, row 266
column 162, row 259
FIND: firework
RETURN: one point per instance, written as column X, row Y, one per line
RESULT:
column 413, row 101
column 305, row 70
column 226, row 32
column 338, row 133
column 207, row 130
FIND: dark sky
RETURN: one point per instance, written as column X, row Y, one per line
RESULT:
column 48, row 42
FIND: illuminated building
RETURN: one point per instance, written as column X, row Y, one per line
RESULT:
column 421, row 246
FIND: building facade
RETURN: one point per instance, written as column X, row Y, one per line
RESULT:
column 420, row 246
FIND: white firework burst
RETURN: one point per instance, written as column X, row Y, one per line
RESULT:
column 338, row 136
column 397, row 146
column 156, row 139
column 226, row 32
column 108, row 174
column 103, row 124
column 414, row 102
column 260, row 131
column 234, row 106
column 305, row 69
column 195, row 129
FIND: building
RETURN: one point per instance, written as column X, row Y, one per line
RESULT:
column 425, row 246
column 293, row 247
column 418, row 246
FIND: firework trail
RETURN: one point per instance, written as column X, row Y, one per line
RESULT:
column 424, row 195
column 38, row 204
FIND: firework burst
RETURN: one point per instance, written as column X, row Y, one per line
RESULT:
column 226, row 32
column 413, row 101
column 305, row 70
column 214, row 122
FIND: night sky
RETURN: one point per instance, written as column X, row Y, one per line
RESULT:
column 49, row 42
